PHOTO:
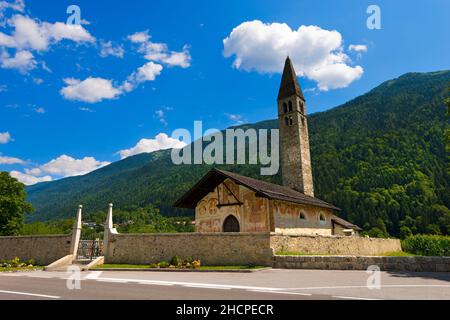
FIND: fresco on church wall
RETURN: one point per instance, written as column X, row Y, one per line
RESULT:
column 252, row 215
column 255, row 212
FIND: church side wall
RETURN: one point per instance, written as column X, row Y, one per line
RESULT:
column 287, row 219
column 43, row 249
column 210, row 248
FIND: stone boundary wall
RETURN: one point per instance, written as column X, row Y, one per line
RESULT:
column 210, row 248
column 333, row 245
column 399, row 264
column 44, row 249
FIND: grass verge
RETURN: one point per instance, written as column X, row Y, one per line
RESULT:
column 14, row 269
column 144, row 266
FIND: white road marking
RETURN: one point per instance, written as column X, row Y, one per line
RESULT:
column 196, row 284
column 208, row 287
column 282, row 292
column 355, row 298
column 159, row 284
column 93, row 275
column 112, row 280
column 382, row 286
column 30, row 294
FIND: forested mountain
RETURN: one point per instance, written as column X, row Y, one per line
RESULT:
column 380, row 157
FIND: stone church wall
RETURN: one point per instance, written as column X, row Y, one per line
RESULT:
column 402, row 264
column 334, row 245
column 44, row 249
column 288, row 221
column 210, row 248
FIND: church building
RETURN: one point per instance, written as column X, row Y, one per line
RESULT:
column 229, row 202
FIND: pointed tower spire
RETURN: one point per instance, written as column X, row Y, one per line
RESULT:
column 289, row 83
column 294, row 139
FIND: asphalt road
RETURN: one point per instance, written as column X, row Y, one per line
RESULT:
column 272, row 284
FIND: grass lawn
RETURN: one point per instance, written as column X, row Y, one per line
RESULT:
column 145, row 266
column 292, row 253
column 398, row 254
column 11, row 269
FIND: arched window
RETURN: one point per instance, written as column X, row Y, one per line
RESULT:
column 286, row 121
column 301, row 107
column 291, row 121
column 290, row 106
column 322, row 219
column 285, row 107
column 302, row 216
column 303, row 121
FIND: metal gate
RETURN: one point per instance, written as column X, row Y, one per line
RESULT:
column 90, row 249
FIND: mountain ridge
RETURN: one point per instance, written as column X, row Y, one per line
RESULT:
column 396, row 127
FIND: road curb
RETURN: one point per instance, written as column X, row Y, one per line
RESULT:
column 179, row 270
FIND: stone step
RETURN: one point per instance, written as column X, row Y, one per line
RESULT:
column 82, row 262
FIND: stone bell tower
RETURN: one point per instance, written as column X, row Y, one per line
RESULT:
column 294, row 140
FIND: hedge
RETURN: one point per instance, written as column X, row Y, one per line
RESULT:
column 427, row 245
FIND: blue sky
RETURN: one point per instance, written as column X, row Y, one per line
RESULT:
column 74, row 98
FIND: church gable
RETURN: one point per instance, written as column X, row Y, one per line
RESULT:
column 230, row 199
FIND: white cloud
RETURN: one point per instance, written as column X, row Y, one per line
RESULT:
column 34, row 35
column 22, row 61
column 107, row 48
column 90, row 90
column 40, row 110
column 161, row 116
column 28, row 179
column 63, row 166
column 159, row 52
column 17, row 5
column 161, row 142
column 10, row 160
column 148, row 72
column 29, row 34
column 357, row 47
column 235, row 117
column 67, row 166
column 139, row 37
column 315, row 52
column 5, row 137
column 38, row 81
column 86, row 109
column 335, row 76
column 94, row 90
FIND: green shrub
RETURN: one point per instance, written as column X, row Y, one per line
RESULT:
column 164, row 264
column 427, row 245
column 176, row 261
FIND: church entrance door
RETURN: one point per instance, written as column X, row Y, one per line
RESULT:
column 231, row 224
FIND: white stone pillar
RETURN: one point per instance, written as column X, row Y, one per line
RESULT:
column 109, row 230
column 76, row 232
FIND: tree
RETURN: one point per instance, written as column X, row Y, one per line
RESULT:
column 13, row 205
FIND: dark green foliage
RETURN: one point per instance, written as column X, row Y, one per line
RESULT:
column 380, row 157
column 427, row 245
column 48, row 227
column 13, row 205
column 141, row 220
